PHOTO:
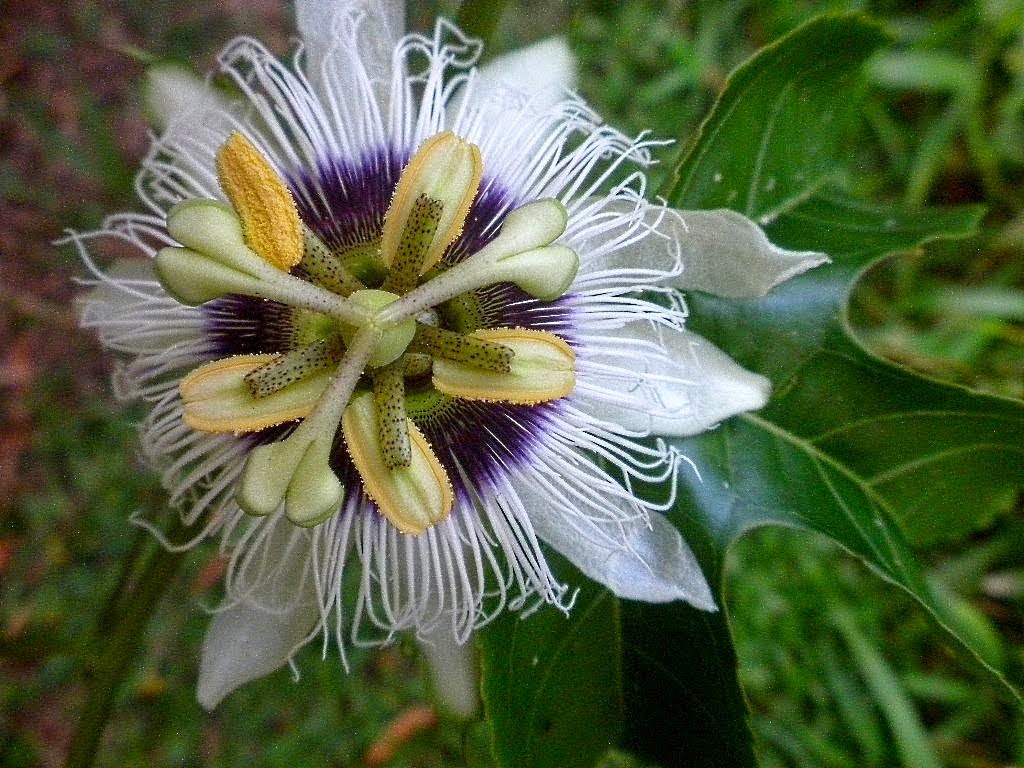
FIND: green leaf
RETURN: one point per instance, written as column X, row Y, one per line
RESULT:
column 851, row 446
column 804, row 461
column 943, row 458
column 904, row 440
column 773, row 136
column 684, row 705
column 552, row 683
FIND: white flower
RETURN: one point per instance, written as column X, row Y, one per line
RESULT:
column 500, row 339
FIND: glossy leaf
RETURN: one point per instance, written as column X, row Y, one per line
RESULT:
column 770, row 468
column 552, row 683
column 849, row 445
column 942, row 457
column 774, row 134
column 684, row 705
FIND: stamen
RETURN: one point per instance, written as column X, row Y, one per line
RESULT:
column 447, row 169
column 521, row 253
column 297, row 470
column 269, row 217
column 470, row 350
column 412, row 498
column 294, row 365
column 543, row 369
column 413, row 246
column 389, row 397
column 216, row 261
column 323, row 267
column 216, row 398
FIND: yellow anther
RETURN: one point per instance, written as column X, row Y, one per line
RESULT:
column 270, row 220
column 412, row 498
column 542, row 369
column 216, row 397
column 446, row 169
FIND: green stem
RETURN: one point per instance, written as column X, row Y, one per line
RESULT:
column 479, row 18
column 116, row 639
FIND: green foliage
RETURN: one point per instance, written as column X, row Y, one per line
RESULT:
column 774, row 134
column 789, row 594
column 551, row 683
column 766, row 149
column 839, row 667
column 916, row 443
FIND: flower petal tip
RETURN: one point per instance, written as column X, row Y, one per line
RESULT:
column 453, row 671
column 659, row 567
column 638, row 559
column 245, row 643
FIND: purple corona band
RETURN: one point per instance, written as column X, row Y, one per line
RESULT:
column 338, row 124
column 344, row 204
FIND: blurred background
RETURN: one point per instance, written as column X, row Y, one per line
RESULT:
column 840, row 668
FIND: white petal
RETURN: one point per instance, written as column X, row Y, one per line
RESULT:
column 171, row 91
column 317, row 21
column 453, row 670
column 259, row 633
column 195, row 119
column 511, row 111
column 655, row 380
column 721, row 388
column 721, row 252
column 634, row 560
column 546, row 70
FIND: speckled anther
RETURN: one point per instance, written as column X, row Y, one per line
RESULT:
column 323, row 267
column 293, row 366
column 413, row 497
column 543, row 369
column 413, row 245
column 447, row 171
column 216, row 396
column 470, row 350
column 392, row 424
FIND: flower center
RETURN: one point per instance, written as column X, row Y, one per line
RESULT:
column 377, row 327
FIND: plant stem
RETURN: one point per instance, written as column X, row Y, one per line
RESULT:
column 116, row 639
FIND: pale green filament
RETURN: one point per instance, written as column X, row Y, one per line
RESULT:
column 324, row 268
column 216, row 261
